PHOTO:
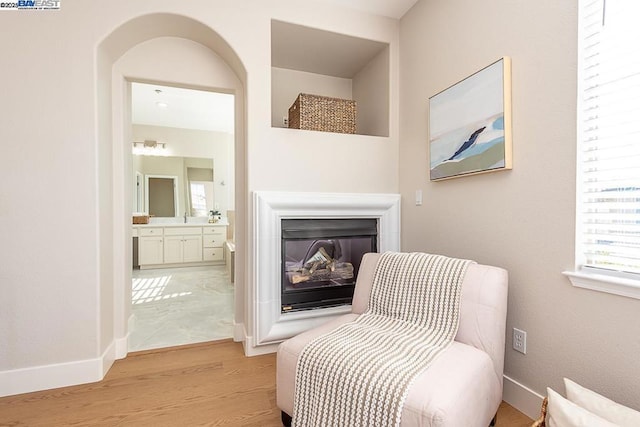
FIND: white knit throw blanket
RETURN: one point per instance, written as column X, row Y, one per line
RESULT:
column 359, row 374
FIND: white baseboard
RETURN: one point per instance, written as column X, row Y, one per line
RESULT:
column 238, row 332
column 122, row 347
column 250, row 349
column 108, row 357
column 122, row 344
column 46, row 377
column 260, row 349
column 521, row 397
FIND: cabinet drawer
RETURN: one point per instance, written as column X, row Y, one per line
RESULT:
column 150, row 232
column 212, row 241
column 183, row 231
column 222, row 231
column 213, row 254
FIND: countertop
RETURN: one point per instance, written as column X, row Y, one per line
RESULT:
column 181, row 224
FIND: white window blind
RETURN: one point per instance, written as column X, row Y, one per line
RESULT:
column 609, row 136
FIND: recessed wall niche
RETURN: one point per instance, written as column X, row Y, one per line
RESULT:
column 319, row 62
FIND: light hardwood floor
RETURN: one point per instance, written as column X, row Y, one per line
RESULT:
column 209, row 384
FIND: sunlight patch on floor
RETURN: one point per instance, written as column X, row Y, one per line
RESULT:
column 152, row 289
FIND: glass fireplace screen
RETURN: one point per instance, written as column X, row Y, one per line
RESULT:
column 321, row 259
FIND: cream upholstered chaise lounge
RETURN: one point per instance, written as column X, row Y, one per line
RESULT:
column 463, row 386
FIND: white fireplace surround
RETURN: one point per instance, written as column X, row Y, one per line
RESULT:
column 270, row 326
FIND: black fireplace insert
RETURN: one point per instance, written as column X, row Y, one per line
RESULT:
column 321, row 259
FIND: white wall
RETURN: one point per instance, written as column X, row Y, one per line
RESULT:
column 48, row 308
column 522, row 220
column 371, row 92
column 60, row 308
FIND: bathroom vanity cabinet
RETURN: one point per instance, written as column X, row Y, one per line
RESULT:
column 182, row 244
column 175, row 245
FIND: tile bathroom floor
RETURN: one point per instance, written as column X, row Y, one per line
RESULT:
column 176, row 306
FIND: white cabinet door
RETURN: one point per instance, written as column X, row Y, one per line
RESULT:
column 182, row 249
column 150, row 250
column 191, row 248
column 173, row 249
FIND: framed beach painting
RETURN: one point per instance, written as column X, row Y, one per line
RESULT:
column 470, row 124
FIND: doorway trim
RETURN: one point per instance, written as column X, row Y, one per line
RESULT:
column 114, row 229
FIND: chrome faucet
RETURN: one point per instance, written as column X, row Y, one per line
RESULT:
column 185, row 217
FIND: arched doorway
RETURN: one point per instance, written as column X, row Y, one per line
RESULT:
column 113, row 160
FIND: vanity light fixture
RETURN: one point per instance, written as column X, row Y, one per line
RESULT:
column 150, row 148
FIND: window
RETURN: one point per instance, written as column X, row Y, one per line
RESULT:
column 608, row 200
column 201, row 197
column 198, row 197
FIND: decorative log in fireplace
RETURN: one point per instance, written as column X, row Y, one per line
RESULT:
column 321, row 258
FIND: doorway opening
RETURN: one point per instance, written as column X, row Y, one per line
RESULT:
column 183, row 147
column 157, row 54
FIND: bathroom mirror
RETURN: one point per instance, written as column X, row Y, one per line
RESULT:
column 182, row 138
column 166, row 186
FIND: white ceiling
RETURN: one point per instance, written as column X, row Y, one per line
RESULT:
column 185, row 108
column 391, row 8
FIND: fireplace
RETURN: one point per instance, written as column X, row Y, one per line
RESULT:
column 270, row 325
column 321, row 259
